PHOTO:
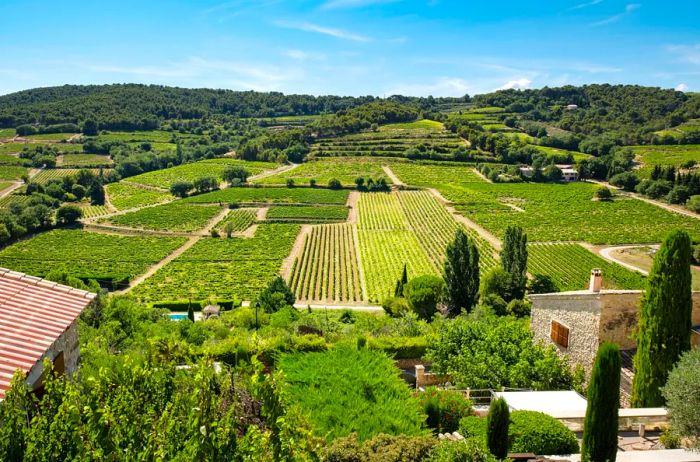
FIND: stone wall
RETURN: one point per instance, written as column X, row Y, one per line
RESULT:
column 68, row 344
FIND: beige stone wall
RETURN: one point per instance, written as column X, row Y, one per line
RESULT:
column 66, row 343
column 618, row 319
column 580, row 314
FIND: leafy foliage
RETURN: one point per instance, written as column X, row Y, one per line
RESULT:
column 682, row 398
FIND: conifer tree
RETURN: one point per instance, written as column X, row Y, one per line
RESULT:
column 190, row 312
column 514, row 261
column 601, row 423
column 400, row 283
column 461, row 273
column 497, row 423
column 665, row 320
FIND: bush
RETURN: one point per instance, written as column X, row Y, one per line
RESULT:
column 683, row 399
column 495, row 304
column 519, row 308
column 460, row 451
column 381, row 448
column 181, row 188
column 444, row 408
column 334, row 183
column 627, row 181
column 276, row 295
column 529, row 431
column 495, row 282
column 400, row 347
column 395, row 306
column 497, row 423
column 284, row 317
column 542, row 284
column 69, row 214
column 678, row 195
column 290, row 182
column 603, row 194
column 423, row 295
column 694, row 203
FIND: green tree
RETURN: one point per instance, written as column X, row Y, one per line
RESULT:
column 401, row 282
column 204, row 184
column 683, row 399
column 69, row 214
column 181, row 188
column 276, row 296
column 190, row 312
column 665, row 320
column 514, row 262
column 497, row 423
column 461, row 272
column 601, row 423
column 97, row 193
column 423, row 295
column 235, row 172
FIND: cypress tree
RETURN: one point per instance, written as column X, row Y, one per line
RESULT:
column 190, row 312
column 461, row 273
column 601, row 424
column 664, row 321
column 514, row 261
column 497, row 423
column 400, row 283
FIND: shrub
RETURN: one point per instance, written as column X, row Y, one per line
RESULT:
column 276, row 295
column 312, row 183
column 395, row 306
column 381, row 448
column 683, row 399
column 460, row 451
column 444, row 408
column 678, row 195
column 542, row 284
column 497, row 422
column 423, row 295
column 334, row 183
column 290, row 182
column 495, row 304
column 284, row 317
column 69, row 214
column 181, row 188
column 627, row 181
column 694, row 203
column 603, row 194
column 400, row 347
column 495, row 282
column 519, row 308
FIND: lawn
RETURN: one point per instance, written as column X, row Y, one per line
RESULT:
column 128, row 196
column 344, row 169
column 349, row 390
column 174, row 216
column 222, row 267
column 190, row 172
column 87, row 255
column 256, row 196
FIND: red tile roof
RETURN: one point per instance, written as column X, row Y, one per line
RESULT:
column 33, row 314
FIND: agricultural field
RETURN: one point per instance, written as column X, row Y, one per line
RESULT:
column 344, row 169
column 57, row 173
column 242, row 219
column 83, row 160
column 11, row 148
column 423, row 124
column 6, row 133
column 225, row 268
column 157, row 136
column 125, row 196
column 49, row 136
column 6, row 201
column 665, row 155
column 569, row 265
column 327, row 269
column 678, row 130
column 548, row 212
column 255, row 196
column 6, row 159
column 5, row 184
column 308, row 214
column 348, row 390
column 11, row 172
column 87, row 255
column 174, row 216
column 551, row 152
column 190, row 172
column 287, row 121
column 94, row 211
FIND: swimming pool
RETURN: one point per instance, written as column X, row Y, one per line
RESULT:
column 177, row 316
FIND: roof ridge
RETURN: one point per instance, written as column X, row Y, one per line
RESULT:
column 8, row 273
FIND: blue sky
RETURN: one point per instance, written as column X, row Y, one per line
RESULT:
column 350, row 47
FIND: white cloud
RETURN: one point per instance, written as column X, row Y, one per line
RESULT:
column 682, row 87
column 446, row 86
column 333, row 4
column 337, row 33
column 301, row 55
column 584, row 5
column 517, row 84
column 687, row 53
column 629, row 8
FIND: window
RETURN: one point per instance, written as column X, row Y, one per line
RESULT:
column 560, row 334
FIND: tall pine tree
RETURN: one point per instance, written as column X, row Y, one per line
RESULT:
column 497, row 423
column 400, row 283
column 665, row 320
column 461, row 273
column 601, row 424
column 514, row 261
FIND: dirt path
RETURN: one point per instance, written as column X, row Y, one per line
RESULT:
column 265, row 174
column 18, row 184
column 360, row 270
column 152, row 270
column 297, row 249
column 490, row 238
column 74, row 137
column 353, row 197
column 671, row 208
column 262, row 213
column 481, row 175
column 606, row 252
column 392, row 176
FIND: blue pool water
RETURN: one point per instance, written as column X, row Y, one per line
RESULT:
column 177, row 316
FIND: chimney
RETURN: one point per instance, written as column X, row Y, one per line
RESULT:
column 596, row 280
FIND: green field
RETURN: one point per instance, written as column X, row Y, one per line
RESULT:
column 125, row 196
column 272, row 196
column 84, row 160
column 11, row 172
column 570, row 265
column 665, row 155
column 327, row 269
column 344, row 169
column 307, row 214
column 6, row 159
column 578, row 156
column 7, row 133
column 225, row 268
column 49, row 136
column 57, row 173
column 425, row 124
column 678, row 130
column 11, row 148
column 6, row 201
column 190, row 172
column 241, row 219
column 548, row 212
column 157, row 136
column 174, row 216
column 87, row 255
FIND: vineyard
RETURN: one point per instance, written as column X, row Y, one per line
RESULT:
column 58, row 173
column 87, row 255
column 569, row 266
column 666, row 155
column 346, row 170
column 241, row 220
column 308, row 214
column 144, row 136
column 173, row 216
column 13, row 199
column 125, row 196
column 225, row 268
column 190, row 172
column 83, row 160
column 327, row 269
column 94, row 211
column 11, row 172
column 258, row 196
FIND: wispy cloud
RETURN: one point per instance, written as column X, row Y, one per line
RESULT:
column 682, row 87
column 517, row 84
column 629, row 8
column 584, row 5
column 446, row 86
column 238, row 6
column 334, row 4
column 301, row 55
column 337, row 33
column 687, row 53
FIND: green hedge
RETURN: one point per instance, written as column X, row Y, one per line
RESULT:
column 444, row 408
column 529, row 431
column 400, row 347
column 197, row 305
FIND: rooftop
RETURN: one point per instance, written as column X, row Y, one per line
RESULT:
column 34, row 313
column 555, row 403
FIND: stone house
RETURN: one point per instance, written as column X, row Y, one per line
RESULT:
column 576, row 322
column 38, row 320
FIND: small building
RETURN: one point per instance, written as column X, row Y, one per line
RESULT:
column 569, row 174
column 577, row 322
column 527, row 171
column 38, row 320
column 571, row 107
